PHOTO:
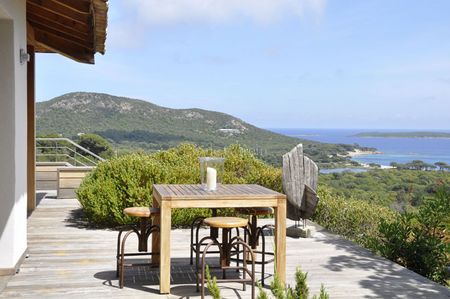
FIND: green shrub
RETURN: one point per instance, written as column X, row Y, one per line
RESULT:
column 419, row 240
column 119, row 183
column 277, row 289
column 212, row 284
column 356, row 220
column 300, row 290
column 127, row 180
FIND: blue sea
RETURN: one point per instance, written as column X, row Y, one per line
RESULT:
column 400, row 150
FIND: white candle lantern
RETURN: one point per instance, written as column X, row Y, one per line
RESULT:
column 211, row 170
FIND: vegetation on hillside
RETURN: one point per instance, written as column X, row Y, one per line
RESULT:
column 420, row 165
column 135, row 125
column 353, row 218
column 399, row 189
column 96, row 144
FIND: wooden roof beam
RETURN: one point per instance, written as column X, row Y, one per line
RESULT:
column 63, row 47
column 79, row 5
column 85, row 43
column 63, row 10
column 43, row 23
column 34, row 10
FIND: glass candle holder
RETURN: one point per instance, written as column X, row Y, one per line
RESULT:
column 211, row 172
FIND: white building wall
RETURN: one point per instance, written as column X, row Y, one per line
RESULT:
column 13, row 133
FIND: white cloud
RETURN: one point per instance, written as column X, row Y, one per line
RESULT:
column 131, row 20
column 161, row 12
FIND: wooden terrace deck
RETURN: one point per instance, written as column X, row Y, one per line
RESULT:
column 69, row 260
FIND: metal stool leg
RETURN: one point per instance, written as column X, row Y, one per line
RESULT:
column 143, row 232
column 205, row 250
column 196, row 223
column 122, row 258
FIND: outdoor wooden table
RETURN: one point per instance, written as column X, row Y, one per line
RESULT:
column 167, row 197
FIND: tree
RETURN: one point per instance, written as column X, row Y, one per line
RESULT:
column 442, row 165
column 429, row 166
column 417, row 165
column 96, row 144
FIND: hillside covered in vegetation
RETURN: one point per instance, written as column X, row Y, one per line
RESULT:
column 132, row 125
column 396, row 188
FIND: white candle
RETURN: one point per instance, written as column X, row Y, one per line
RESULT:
column 211, row 178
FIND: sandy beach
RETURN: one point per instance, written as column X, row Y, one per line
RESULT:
column 358, row 152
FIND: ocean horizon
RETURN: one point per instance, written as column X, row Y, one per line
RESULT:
column 393, row 149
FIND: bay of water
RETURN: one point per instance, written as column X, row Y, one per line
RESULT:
column 400, row 150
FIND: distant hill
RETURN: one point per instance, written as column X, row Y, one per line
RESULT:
column 404, row 134
column 132, row 124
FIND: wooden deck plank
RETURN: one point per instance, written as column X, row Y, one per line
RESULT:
column 68, row 260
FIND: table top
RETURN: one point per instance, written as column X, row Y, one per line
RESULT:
column 224, row 191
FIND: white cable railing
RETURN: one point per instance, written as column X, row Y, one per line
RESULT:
column 64, row 150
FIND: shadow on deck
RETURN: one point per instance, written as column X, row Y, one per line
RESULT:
column 388, row 280
column 70, row 259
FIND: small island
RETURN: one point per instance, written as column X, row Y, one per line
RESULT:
column 404, row 134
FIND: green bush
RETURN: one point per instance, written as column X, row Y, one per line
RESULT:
column 300, row 290
column 356, row 220
column 277, row 289
column 419, row 240
column 127, row 180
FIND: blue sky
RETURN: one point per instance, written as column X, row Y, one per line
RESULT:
column 275, row 64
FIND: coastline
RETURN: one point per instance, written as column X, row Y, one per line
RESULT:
column 358, row 152
column 398, row 150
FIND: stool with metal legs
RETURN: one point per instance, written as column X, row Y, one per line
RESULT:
column 228, row 245
column 195, row 227
column 195, row 234
column 253, row 232
column 143, row 230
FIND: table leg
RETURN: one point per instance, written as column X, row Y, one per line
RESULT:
column 155, row 235
column 280, row 239
column 165, row 227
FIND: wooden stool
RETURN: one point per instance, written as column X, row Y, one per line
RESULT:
column 225, row 250
column 254, row 232
column 143, row 230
